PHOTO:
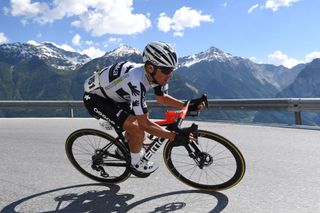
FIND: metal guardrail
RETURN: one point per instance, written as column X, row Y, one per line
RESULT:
column 296, row 105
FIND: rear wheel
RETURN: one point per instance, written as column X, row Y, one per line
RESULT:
column 213, row 164
column 98, row 156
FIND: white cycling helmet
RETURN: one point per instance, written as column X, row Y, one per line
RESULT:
column 160, row 54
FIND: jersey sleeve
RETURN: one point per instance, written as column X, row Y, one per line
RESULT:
column 161, row 90
column 138, row 102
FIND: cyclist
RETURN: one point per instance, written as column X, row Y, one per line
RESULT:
column 117, row 94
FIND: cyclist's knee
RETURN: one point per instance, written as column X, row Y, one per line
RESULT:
column 133, row 131
column 137, row 134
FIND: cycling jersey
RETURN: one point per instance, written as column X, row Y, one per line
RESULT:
column 123, row 82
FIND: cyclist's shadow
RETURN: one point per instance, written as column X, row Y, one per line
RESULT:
column 110, row 200
column 94, row 201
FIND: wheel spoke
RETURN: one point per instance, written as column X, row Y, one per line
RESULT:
column 85, row 145
column 218, row 165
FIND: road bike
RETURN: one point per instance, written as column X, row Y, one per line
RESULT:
column 210, row 162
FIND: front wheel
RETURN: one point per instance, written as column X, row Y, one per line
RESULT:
column 98, row 156
column 212, row 164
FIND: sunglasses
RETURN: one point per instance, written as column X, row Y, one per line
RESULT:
column 166, row 70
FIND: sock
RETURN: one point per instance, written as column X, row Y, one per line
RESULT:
column 135, row 158
column 142, row 152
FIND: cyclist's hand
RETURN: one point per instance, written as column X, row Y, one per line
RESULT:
column 197, row 104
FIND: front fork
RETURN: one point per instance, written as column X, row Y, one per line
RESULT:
column 201, row 158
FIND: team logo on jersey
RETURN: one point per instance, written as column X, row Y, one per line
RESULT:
column 129, row 68
column 135, row 103
column 115, row 71
column 133, row 89
column 123, row 94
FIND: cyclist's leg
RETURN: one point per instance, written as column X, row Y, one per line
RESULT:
column 108, row 110
column 119, row 114
column 134, row 134
column 136, row 137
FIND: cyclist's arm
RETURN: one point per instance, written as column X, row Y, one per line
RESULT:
column 169, row 101
column 153, row 128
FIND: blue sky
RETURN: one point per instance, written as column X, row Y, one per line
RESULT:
column 280, row 32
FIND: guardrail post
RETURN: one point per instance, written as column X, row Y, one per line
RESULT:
column 298, row 119
column 71, row 112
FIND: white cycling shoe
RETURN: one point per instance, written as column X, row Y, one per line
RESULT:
column 146, row 167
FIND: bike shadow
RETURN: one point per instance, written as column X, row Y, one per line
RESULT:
column 108, row 198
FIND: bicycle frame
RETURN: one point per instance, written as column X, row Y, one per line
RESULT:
column 173, row 119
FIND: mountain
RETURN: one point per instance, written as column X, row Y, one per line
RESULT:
column 305, row 85
column 37, row 72
column 279, row 76
column 225, row 76
column 53, row 56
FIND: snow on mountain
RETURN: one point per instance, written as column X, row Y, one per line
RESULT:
column 208, row 55
column 54, row 56
column 278, row 76
column 122, row 51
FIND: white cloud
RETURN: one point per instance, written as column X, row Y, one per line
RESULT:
column 99, row 17
column 178, row 34
column 93, row 52
column 275, row 4
column 26, row 8
column 3, row 38
column 88, row 42
column 164, row 22
column 311, row 56
column 66, row 47
column 279, row 58
column 183, row 18
column 111, row 40
column 253, row 8
column 76, row 39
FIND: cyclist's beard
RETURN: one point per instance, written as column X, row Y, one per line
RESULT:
column 154, row 81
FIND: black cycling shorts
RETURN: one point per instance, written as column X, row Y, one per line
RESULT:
column 113, row 112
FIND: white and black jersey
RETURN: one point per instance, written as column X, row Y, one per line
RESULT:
column 123, row 82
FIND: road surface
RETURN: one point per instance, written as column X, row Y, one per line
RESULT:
column 283, row 173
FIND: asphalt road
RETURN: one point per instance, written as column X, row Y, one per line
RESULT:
column 283, row 174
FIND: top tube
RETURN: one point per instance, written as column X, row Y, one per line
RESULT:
column 173, row 115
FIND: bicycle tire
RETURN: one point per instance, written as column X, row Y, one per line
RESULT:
column 178, row 161
column 91, row 142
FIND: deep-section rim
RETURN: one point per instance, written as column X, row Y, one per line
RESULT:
column 240, row 162
column 81, row 132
